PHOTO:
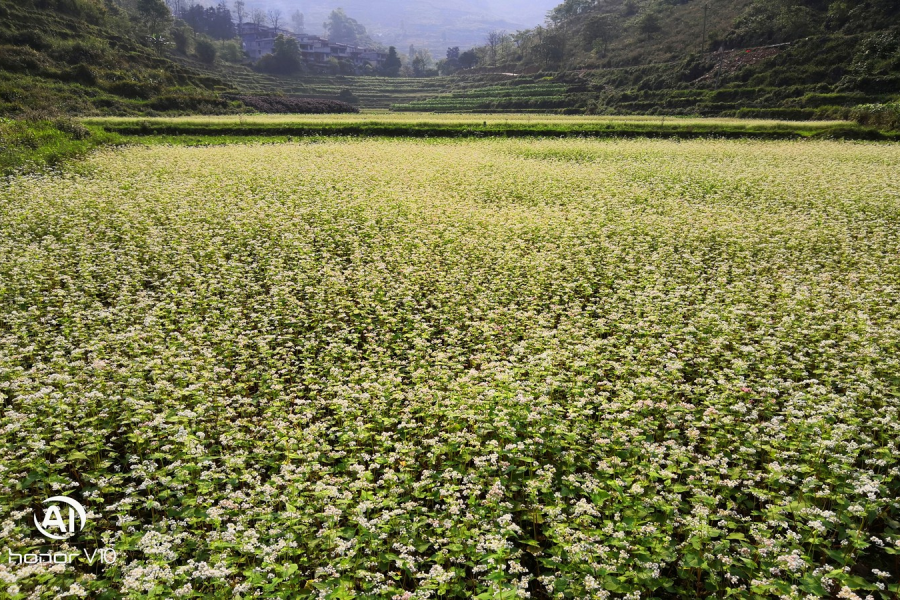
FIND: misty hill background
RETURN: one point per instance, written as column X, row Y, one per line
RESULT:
column 432, row 24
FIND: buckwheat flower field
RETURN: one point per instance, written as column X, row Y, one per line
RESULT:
column 485, row 369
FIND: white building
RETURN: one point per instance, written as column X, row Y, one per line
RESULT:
column 259, row 40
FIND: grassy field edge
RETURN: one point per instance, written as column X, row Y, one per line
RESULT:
column 612, row 129
column 28, row 146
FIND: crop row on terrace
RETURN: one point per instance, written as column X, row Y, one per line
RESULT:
column 453, row 369
column 514, row 124
column 512, row 96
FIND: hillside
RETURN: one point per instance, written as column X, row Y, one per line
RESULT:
column 95, row 57
column 91, row 57
column 88, row 60
column 790, row 59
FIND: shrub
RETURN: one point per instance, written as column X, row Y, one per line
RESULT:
column 20, row 59
column 183, row 38
column 883, row 116
column 348, row 96
column 232, row 52
column 83, row 74
column 206, row 50
column 72, row 128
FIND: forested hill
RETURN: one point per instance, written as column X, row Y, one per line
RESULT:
column 787, row 58
column 616, row 33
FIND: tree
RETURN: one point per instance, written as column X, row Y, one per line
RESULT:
column 449, row 65
column 569, row 9
column 495, row 39
column 298, row 21
column 649, row 24
column 176, row 6
column 155, row 15
column 223, row 25
column 240, row 11
column 345, row 30
column 285, row 58
column 468, row 59
column 392, row 63
column 421, row 62
column 274, row 18
column 258, row 16
column 597, row 28
column 552, row 48
column 418, row 66
column 214, row 22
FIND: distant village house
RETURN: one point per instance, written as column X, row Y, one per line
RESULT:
column 259, row 40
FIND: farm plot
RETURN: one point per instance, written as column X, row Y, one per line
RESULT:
column 452, row 369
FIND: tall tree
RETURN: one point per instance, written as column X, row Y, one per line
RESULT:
column 285, row 57
column 343, row 29
column 214, row 22
column 495, row 40
column 392, row 63
column 597, row 28
column 258, row 16
column 223, row 23
column 468, row 59
column 274, row 18
column 298, row 21
column 177, row 7
column 240, row 12
column 155, row 15
column 552, row 47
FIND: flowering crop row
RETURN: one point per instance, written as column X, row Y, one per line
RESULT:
column 450, row 369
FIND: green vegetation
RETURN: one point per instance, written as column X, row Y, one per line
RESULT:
column 521, row 96
column 794, row 59
column 56, row 62
column 343, row 29
column 884, row 116
column 65, row 62
column 475, row 125
column 87, row 58
column 457, row 369
column 33, row 145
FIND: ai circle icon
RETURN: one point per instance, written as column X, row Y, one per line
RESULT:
column 54, row 526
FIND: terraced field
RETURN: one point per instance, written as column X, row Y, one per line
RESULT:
column 492, row 369
column 372, row 92
column 515, row 96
